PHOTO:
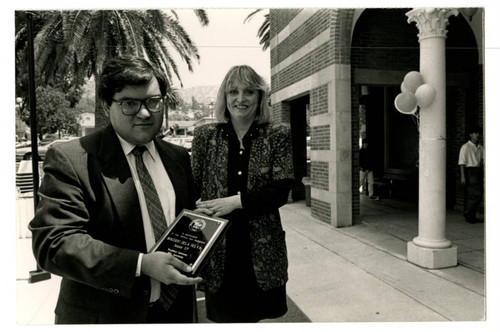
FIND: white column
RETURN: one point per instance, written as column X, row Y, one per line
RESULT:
column 431, row 249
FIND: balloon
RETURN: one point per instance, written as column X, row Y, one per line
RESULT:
column 425, row 95
column 412, row 81
column 406, row 103
column 403, row 87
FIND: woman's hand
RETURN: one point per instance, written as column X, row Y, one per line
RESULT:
column 220, row 206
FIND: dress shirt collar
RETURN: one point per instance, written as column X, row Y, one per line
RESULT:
column 127, row 147
column 474, row 144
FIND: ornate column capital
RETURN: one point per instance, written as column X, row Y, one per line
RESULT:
column 431, row 22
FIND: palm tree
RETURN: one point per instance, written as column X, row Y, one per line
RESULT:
column 74, row 44
column 264, row 30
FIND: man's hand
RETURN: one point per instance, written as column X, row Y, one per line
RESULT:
column 165, row 268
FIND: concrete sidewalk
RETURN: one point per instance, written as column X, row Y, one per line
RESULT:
column 360, row 273
column 353, row 274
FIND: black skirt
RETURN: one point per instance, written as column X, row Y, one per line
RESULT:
column 240, row 299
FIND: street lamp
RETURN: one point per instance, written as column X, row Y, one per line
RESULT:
column 38, row 274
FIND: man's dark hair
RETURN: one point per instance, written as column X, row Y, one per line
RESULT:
column 127, row 70
column 474, row 129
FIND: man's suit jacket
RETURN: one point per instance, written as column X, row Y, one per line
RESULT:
column 88, row 226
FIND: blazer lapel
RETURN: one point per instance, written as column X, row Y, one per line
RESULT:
column 118, row 179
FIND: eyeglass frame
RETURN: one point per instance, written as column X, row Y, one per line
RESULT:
column 142, row 102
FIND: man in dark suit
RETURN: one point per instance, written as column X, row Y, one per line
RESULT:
column 93, row 225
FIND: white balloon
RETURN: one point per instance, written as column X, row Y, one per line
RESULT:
column 425, row 95
column 403, row 87
column 413, row 80
column 406, row 103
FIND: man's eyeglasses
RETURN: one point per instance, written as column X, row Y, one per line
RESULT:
column 133, row 106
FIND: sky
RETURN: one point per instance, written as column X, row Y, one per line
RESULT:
column 225, row 42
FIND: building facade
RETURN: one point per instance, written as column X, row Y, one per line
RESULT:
column 334, row 76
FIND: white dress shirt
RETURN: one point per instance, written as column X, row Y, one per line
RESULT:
column 166, row 193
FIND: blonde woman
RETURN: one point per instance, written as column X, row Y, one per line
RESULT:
column 243, row 171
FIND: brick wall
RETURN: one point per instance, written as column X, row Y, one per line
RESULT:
column 320, row 140
column 312, row 27
column 335, row 50
column 341, row 34
column 281, row 18
column 280, row 113
column 392, row 45
column 310, row 63
column 382, row 40
column 320, row 175
column 319, row 100
column 455, row 129
column 321, row 210
column 479, row 81
column 465, row 106
column 320, row 137
column 355, row 97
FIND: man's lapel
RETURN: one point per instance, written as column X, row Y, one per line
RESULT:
column 118, row 179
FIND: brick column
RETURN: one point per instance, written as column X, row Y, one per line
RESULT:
column 331, row 150
column 280, row 113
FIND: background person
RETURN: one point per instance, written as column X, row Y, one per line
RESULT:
column 471, row 162
column 243, row 171
column 93, row 225
column 366, row 169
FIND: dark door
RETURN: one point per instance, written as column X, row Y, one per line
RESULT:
column 298, row 124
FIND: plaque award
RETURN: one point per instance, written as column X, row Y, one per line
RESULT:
column 191, row 238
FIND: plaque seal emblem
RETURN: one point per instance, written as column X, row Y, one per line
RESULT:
column 197, row 225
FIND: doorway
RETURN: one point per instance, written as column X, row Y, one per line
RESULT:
column 393, row 139
column 299, row 127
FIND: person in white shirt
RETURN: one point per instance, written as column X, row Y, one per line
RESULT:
column 471, row 162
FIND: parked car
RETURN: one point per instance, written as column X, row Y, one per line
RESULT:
column 25, row 152
column 173, row 140
column 187, row 142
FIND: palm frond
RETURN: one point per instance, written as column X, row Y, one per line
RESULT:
column 251, row 15
column 264, row 30
column 74, row 44
column 202, row 16
column 264, row 33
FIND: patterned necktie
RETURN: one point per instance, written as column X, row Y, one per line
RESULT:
column 156, row 215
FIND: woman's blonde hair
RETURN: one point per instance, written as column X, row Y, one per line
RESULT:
column 242, row 75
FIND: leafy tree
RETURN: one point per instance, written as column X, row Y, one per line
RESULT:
column 198, row 114
column 195, row 104
column 87, row 99
column 174, row 98
column 73, row 45
column 264, row 30
column 53, row 112
column 21, row 59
